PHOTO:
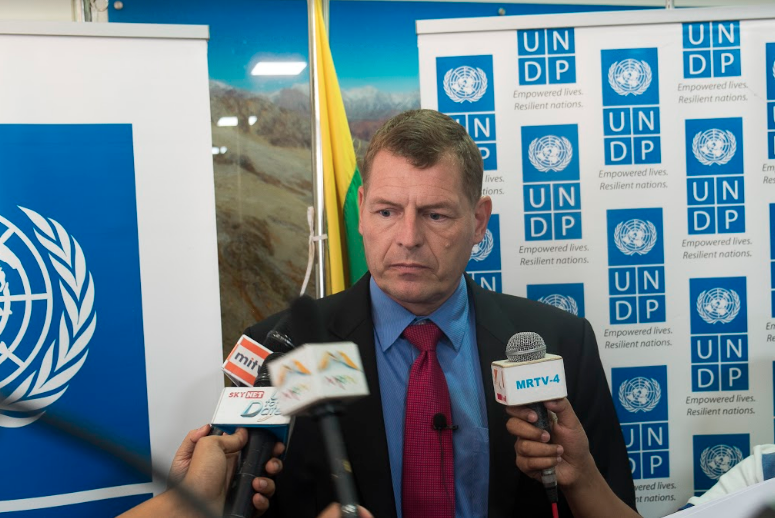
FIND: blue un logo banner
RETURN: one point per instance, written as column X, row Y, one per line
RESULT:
column 484, row 266
column 568, row 297
column 641, row 401
column 70, row 307
column 716, row 454
column 546, row 56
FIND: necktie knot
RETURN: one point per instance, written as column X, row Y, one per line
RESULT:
column 425, row 336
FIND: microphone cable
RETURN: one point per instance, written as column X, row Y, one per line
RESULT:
column 134, row 461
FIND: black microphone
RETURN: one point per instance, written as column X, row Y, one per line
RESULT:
column 440, row 423
column 261, row 441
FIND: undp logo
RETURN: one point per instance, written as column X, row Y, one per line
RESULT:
column 630, row 77
column 26, row 330
column 483, row 249
column 634, row 237
column 464, row 84
column 714, row 146
column 549, row 153
column 714, row 455
column 640, row 400
column 568, row 297
column 717, row 460
column 562, row 302
column 486, row 255
column 640, row 393
column 719, row 305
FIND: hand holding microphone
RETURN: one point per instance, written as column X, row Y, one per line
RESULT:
column 531, row 382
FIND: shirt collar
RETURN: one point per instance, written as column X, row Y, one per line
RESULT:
column 391, row 318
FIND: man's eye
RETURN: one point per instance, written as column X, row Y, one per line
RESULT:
column 385, row 213
column 435, row 216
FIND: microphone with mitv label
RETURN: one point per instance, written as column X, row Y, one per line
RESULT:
column 259, row 412
column 530, row 377
column 315, row 379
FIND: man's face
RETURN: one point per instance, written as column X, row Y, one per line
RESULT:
column 418, row 230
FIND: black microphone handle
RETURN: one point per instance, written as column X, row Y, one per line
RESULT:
column 256, row 454
column 548, row 476
column 543, row 415
column 341, row 471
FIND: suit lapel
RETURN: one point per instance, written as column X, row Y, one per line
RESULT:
column 363, row 425
column 493, row 330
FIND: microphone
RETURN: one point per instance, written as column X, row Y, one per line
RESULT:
column 530, row 377
column 440, row 423
column 263, row 419
column 315, row 379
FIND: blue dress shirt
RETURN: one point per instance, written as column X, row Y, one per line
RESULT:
column 459, row 359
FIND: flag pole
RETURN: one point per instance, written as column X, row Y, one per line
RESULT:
column 317, row 154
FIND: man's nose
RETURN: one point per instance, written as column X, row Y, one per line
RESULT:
column 410, row 233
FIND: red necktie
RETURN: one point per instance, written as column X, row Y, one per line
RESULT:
column 428, row 479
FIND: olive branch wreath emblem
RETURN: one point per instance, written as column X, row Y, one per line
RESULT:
column 66, row 354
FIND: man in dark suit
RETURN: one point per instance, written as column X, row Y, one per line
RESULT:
column 421, row 213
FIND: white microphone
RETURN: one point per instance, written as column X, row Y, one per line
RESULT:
column 315, row 379
column 530, row 377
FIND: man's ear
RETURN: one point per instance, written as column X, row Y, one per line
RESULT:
column 482, row 213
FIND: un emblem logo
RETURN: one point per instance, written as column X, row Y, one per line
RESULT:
column 635, row 236
column 483, row 248
column 714, row 146
column 629, row 76
column 718, row 305
column 465, row 84
column 550, row 153
column 640, row 394
column 564, row 302
column 28, row 327
column 717, row 460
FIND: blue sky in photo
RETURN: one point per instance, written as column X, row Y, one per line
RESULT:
column 373, row 43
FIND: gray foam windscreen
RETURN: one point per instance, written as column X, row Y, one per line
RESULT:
column 525, row 347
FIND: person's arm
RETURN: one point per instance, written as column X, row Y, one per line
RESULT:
column 584, row 488
column 203, row 467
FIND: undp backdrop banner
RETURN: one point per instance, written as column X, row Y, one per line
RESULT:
column 630, row 160
column 107, row 256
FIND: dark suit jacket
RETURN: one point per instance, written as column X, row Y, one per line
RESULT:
column 304, row 487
